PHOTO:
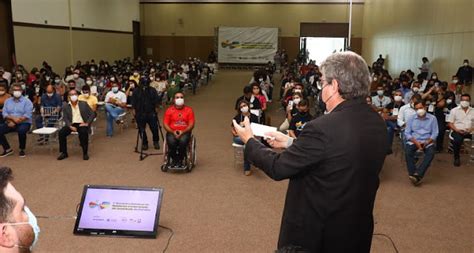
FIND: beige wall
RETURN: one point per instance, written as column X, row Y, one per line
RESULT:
column 53, row 46
column 35, row 44
column 201, row 19
column 405, row 31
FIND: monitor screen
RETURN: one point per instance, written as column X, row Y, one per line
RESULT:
column 117, row 210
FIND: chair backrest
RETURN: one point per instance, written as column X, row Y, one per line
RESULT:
column 51, row 116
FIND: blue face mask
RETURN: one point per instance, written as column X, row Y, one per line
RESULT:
column 34, row 224
column 115, row 89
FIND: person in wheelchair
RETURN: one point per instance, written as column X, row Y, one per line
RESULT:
column 178, row 123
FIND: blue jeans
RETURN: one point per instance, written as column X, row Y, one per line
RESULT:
column 112, row 114
column 22, row 130
column 391, row 127
column 237, row 140
column 410, row 152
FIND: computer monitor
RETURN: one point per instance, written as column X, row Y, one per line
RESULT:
column 119, row 211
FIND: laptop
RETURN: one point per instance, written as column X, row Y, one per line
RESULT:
column 119, row 211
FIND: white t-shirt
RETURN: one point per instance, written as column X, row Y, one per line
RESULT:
column 461, row 119
column 120, row 96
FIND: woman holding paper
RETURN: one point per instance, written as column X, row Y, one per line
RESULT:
column 242, row 112
column 333, row 166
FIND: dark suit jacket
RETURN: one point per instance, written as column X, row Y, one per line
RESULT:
column 333, row 169
column 86, row 113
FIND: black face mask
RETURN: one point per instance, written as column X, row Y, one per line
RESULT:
column 321, row 104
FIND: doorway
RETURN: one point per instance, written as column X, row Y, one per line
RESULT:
column 136, row 39
column 319, row 48
column 7, row 48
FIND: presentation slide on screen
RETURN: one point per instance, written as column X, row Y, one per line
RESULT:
column 119, row 209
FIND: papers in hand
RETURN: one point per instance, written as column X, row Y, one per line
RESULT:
column 260, row 130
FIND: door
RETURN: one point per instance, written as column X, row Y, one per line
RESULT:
column 7, row 45
column 136, row 39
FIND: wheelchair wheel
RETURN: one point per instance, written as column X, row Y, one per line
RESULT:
column 191, row 155
column 164, row 166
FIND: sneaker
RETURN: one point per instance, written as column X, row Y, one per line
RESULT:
column 248, row 172
column 156, row 144
column 85, row 157
column 6, row 153
column 457, row 162
column 62, row 156
column 413, row 179
column 22, row 153
column 144, row 146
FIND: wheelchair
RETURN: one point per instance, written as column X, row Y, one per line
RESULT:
column 189, row 159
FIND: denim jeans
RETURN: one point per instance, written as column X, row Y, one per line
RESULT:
column 237, row 140
column 391, row 127
column 22, row 130
column 112, row 114
column 410, row 152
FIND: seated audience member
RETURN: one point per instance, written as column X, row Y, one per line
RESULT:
column 87, row 97
column 78, row 80
column 160, row 84
column 299, row 120
column 173, row 87
column 115, row 103
column 454, row 83
column 460, row 120
column 78, row 117
column 71, row 85
column 17, row 113
column 249, row 97
column 465, row 73
column 420, row 133
column 20, row 230
column 50, row 100
column 390, row 115
column 4, row 95
column 415, row 89
column 244, row 111
column 380, row 101
column 178, row 122
column 407, row 111
column 291, row 111
column 257, row 94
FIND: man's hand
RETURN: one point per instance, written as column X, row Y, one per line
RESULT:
column 11, row 123
column 461, row 132
column 277, row 139
column 73, row 129
column 177, row 134
column 245, row 133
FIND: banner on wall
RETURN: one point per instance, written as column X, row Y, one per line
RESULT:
column 247, row 44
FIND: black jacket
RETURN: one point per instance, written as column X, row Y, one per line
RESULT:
column 86, row 113
column 333, row 169
column 465, row 74
column 144, row 100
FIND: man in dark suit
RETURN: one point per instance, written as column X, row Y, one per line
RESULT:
column 333, row 166
column 78, row 117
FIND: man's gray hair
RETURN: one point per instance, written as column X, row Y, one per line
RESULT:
column 351, row 72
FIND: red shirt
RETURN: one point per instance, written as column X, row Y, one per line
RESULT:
column 179, row 119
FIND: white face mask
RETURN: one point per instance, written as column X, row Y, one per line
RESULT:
column 89, row 82
column 73, row 98
column 112, row 79
column 455, row 81
column 380, row 92
column 398, row 98
column 465, row 64
column 152, row 78
column 179, row 101
column 435, row 77
column 449, row 101
column 244, row 109
column 50, row 94
column 260, row 79
column 75, row 76
column 465, row 104
column 57, row 80
column 421, row 112
column 115, row 89
column 297, row 91
column 297, row 100
column 416, row 89
column 17, row 93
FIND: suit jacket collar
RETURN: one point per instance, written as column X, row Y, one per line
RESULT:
column 349, row 103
